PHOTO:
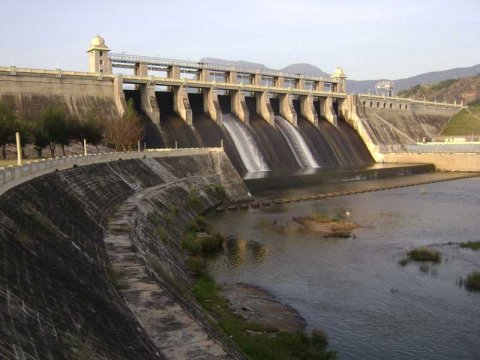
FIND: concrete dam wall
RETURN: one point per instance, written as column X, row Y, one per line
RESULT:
column 330, row 145
column 59, row 286
column 29, row 94
column 393, row 121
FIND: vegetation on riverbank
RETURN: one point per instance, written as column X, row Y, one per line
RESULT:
column 421, row 254
column 256, row 341
column 472, row 281
column 328, row 225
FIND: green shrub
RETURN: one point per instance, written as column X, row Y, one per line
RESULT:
column 474, row 245
column 196, row 264
column 211, row 243
column 193, row 200
column 424, row 254
column 202, row 243
column 421, row 254
column 473, row 281
column 191, row 244
column 161, row 233
column 154, row 218
column 197, row 224
column 319, row 339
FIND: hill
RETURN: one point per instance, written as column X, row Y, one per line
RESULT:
column 465, row 88
column 238, row 63
column 300, row 68
column 307, row 69
column 363, row 86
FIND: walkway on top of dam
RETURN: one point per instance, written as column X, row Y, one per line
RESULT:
column 12, row 176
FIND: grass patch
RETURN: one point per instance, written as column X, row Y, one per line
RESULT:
column 161, row 233
column 462, row 124
column 193, row 199
column 473, row 281
column 474, row 245
column 117, row 278
column 421, row 254
column 424, row 254
column 197, row 264
column 256, row 341
column 323, row 217
column 197, row 224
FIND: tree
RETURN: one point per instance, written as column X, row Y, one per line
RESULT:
column 55, row 128
column 124, row 133
column 8, row 127
column 91, row 130
column 40, row 137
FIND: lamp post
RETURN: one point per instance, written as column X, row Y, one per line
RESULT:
column 19, row 148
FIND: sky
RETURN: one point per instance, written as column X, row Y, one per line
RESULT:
column 369, row 39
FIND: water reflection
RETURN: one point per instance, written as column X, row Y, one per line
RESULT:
column 240, row 251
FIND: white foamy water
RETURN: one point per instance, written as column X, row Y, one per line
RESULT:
column 246, row 145
column 297, row 144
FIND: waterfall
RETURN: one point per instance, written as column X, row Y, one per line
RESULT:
column 297, row 144
column 245, row 143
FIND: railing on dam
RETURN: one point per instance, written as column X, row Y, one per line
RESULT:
column 198, row 65
column 11, row 176
column 405, row 100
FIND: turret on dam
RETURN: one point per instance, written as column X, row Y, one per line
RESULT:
column 195, row 104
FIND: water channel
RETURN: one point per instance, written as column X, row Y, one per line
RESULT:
column 354, row 289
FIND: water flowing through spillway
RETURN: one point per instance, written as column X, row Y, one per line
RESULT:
column 297, row 144
column 245, row 143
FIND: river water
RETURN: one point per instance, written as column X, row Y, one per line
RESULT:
column 354, row 289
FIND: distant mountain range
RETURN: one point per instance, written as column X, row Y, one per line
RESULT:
column 362, row 86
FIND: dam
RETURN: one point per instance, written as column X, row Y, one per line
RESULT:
column 291, row 121
column 92, row 250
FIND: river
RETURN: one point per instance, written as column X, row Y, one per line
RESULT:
column 354, row 289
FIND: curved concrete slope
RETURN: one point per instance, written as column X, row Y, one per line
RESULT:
column 58, row 289
column 396, row 127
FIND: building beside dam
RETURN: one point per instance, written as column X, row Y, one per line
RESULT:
column 265, row 119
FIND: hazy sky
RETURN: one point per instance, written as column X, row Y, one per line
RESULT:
column 370, row 39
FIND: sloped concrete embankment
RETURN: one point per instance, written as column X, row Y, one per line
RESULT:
column 59, row 293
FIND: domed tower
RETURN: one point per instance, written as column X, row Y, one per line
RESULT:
column 340, row 76
column 98, row 61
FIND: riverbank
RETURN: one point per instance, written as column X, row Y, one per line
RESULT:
column 246, row 316
column 354, row 288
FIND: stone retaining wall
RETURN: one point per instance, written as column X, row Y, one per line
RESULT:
column 442, row 161
column 59, row 293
